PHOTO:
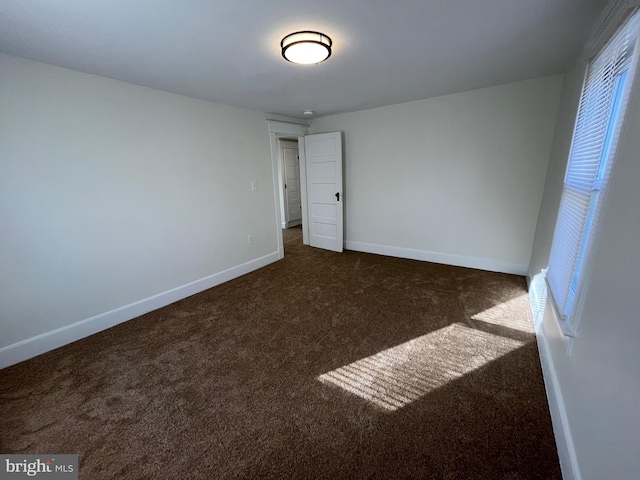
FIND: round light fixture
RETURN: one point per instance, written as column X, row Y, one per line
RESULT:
column 306, row 48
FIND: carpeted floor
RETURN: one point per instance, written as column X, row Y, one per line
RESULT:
column 322, row 365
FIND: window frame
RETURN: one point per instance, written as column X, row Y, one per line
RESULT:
column 567, row 298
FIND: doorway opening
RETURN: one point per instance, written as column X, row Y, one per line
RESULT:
column 290, row 192
column 292, row 132
column 289, row 176
column 308, row 184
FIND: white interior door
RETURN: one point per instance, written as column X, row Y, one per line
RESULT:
column 323, row 165
column 293, row 210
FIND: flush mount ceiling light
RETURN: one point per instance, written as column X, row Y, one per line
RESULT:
column 306, row 48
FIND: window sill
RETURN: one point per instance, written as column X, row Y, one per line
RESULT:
column 540, row 296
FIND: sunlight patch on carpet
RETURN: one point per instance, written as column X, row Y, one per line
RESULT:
column 509, row 314
column 395, row 377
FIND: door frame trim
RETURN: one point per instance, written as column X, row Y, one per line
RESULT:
column 277, row 130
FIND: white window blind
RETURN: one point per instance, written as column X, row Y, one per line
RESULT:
column 598, row 124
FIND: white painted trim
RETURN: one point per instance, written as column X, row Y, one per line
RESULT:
column 31, row 347
column 537, row 297
column 558, row 410
column 272, row 117
column 435, row 257
column 287, row 128
column 302, row 163
column 614, row 14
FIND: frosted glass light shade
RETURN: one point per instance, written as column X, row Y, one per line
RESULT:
column 306, row 48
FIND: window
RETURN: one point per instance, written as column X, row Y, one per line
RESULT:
column 591, row 159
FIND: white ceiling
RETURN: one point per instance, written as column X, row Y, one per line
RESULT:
column 385, row 51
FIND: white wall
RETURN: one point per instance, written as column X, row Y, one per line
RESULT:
column 112, row 194
column 456, row 179
column 595, row 392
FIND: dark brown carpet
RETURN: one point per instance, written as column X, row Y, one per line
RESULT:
column 322, row 365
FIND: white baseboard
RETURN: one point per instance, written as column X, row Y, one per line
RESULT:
column 32, row 347
column 435, row 257
column 561, row 430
